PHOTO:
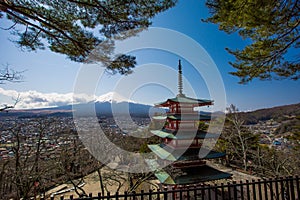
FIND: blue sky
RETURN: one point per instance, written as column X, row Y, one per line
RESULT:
column 51, row 76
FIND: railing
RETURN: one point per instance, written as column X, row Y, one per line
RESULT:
column 268, row 189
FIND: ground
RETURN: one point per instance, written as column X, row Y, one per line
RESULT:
column 91, row 183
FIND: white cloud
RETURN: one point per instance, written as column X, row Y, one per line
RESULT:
column 34, row 99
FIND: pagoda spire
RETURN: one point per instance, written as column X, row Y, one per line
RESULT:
column 180, row 85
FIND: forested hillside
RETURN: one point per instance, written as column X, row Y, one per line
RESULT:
column 280, row 113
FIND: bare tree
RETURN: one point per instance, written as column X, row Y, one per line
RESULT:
column 26, row 173
column 9, row 75
column 271, row 162
column 236, row 139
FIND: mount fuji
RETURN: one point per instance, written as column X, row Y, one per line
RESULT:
column 113, row 97
column 108, row 104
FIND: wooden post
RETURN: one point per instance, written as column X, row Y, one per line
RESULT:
column 276, row 188
column 287, row 191
column 209, row 192
column 108, row 195
column 165, row 194
column 125, row 195
column 234, row 190
column 248, row 189
column 298, row 187
column 265, row 190
column 195, row 192
column 259, row 189
column 150, row 194
column 216, row 192
column 142, row 194
column 271, row 189
column 281, row 188
column 253, row 190
column 117, row 195
column 158, row 194
column 292, row 188
column 222, row 191
column 229, row 190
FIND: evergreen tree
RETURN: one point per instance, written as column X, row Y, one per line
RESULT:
column 273, row 30
column 75, row 27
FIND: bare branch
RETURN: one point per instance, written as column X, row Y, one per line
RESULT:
column 9, row 75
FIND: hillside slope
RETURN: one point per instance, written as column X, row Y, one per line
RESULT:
column 278, row 113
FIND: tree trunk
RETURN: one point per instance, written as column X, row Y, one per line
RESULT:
column 100, row 180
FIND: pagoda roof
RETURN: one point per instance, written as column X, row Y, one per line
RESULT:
column 194, row 175
column 185, row 100
column 188, row 134
column 191, row 175
column 166, row 152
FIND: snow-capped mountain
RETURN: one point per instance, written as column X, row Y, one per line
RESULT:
column 108, row 104
column 113, row 97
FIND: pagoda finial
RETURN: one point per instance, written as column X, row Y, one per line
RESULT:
column 180, row 87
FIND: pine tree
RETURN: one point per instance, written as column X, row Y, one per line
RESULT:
column 75, row 27
column 272, row 28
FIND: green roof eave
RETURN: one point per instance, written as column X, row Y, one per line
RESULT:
column 161, row 153
column 162, row 134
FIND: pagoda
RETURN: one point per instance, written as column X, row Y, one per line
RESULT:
column 181, row 141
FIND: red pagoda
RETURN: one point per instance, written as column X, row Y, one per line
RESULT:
column 182, row 140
